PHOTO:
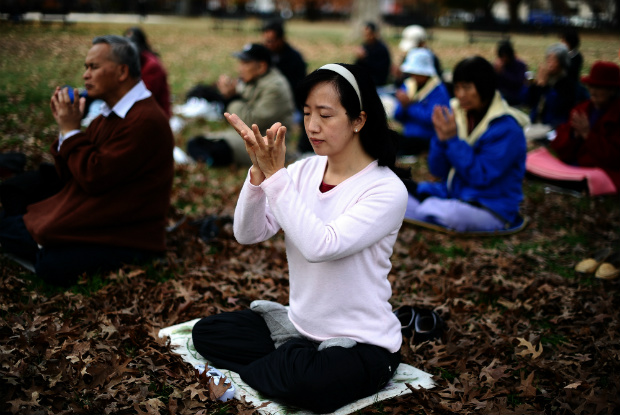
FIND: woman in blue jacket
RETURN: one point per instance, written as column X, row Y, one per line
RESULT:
column 422, row 90
column 478, row 151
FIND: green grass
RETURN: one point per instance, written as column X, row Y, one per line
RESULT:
column 162, row 391
column 446, row 375
column 450, row 251
column 515, row 400
column 553, row 339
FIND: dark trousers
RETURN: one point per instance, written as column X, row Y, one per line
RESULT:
column 62, row 265
column 24, row 189
column 412, row 145
column 296, row 372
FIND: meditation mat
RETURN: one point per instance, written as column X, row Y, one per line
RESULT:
column 540, row 162
column 26, row 264
column 181, row 336
column 439, row 228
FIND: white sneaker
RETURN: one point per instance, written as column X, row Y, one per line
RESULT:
column 217, row 375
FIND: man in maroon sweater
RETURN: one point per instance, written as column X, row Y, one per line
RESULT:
column 116, row 176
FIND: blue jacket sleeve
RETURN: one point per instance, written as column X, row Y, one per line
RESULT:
column 491, row 156
column 438, row 163
column 417, row 116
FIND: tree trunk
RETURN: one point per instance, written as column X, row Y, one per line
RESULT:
column 364, row 11
column 184, row 7
column 513, row 12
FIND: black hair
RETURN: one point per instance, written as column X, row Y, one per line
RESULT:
column 372, row 26
column 571, row 37
column 138, row 37
column 376, row 137
column 504, row 48
column 275, row 26
column 480, row 72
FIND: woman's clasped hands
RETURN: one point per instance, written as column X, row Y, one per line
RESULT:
column 444, row 123
column 266, row 152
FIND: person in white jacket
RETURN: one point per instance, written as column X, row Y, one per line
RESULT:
column 341, row 210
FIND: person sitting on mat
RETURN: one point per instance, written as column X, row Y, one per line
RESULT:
column 478, row 152
column 340, row 211
column 592, row 136
column 114, row 178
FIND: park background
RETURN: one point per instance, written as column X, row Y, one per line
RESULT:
column 526, row 334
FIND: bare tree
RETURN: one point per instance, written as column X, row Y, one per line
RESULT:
column 513, row 11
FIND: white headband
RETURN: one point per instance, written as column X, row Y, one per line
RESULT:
column 346, row 74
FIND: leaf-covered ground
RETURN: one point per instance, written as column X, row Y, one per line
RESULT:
column 525, row 333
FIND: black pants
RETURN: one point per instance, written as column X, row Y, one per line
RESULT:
column 24, row 189
column 412, row 145
column 62, row 265
column 296, row 372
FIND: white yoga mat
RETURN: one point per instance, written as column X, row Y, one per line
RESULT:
column 26, row 264
column 181, row 337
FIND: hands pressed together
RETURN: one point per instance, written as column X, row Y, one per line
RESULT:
column 227, row 86
column 266, row 152
column 542, row 76
column 444, row 123
column 402, row 97
column 67, row 114
column 580, row 123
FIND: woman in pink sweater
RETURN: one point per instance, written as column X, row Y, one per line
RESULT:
column 341, row 210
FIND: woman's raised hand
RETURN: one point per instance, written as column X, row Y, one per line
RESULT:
column 444, row 122
column 266, row 152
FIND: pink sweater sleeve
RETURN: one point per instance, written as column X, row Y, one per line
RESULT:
column 368, row 216
column 254, row 221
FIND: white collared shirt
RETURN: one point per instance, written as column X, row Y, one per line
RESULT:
column 121, row 108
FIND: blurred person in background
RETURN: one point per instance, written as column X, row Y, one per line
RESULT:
column 412, row 37
column 421, row 91
column 260, row 94
column 570, row 37
column 552, row 94
column 510, row 71
column 292, row 65
column 591, row 138
column 152, row 71
column 374, row 55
